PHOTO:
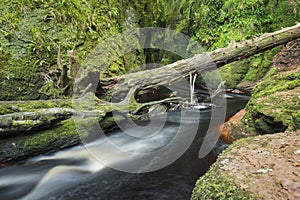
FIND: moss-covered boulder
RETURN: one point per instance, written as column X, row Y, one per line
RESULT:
column 215, row 185
column 274, row 105
column 261, row 167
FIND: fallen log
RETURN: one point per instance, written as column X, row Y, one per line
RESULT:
column 32, row 120
column 149, row 80
column 41, row 119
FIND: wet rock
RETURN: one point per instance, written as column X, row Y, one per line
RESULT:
column 233, row 128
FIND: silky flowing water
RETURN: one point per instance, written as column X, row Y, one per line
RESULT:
column 75, row 174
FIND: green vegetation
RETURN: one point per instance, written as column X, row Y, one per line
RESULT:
column 43, row 43
column 219, row 23
column 242, row 73
column 30, row 106
column 277, row 82
column 212, row 185
column 63, row 135
column 224, row 22
column 267, row 111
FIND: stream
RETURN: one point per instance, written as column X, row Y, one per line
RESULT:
column 74, row 173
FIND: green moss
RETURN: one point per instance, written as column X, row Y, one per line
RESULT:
column 259, row 64
column 32, row 32
column 267, row 125
column 21, row 147
column 130, row 62
column 274, row 104
column 243, row 72
column 232, row 73
column 276, row 82
column 214, row 186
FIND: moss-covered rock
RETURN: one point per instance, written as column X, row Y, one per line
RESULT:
column 274, row 105
column 261, row 167
column 256, row 167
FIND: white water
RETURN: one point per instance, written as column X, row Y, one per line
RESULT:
column 83, row 163
column 75, row 174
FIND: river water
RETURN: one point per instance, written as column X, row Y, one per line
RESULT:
column 75, row 174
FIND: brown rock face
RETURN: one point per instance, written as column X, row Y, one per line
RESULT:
column 232, row 129
column 266, row 166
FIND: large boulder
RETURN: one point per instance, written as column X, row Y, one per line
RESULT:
column 261, row 167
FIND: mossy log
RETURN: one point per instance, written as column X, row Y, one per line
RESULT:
column 42, row 116
column 150, row 80
column 40, row 119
